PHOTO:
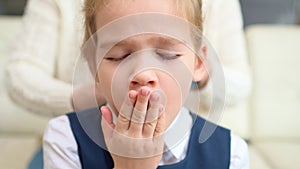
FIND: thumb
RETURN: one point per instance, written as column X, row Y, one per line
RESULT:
column 107, row 124
column 107, row 116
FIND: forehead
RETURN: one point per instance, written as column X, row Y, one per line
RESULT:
column 115, row 9
column 148, row 38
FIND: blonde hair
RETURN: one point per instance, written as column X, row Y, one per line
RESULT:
column 192, row 9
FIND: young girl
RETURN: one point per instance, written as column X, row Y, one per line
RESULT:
column 152, row 104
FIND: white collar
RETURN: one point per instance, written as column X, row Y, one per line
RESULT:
column 178, row 133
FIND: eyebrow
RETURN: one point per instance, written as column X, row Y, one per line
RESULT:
column 161, row 39
column 110, row 43
column 169, row 40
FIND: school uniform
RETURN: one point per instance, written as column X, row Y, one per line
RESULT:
column 67, row 145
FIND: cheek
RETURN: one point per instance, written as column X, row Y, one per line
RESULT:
column 105, row 74
column 189, row 61
column 173, row 96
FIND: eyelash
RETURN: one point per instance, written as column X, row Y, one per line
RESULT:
column 165, row 55
column 118, row 58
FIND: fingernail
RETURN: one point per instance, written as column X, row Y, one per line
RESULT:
column 144, row 92
column 154, row 97
column 131, row 95
column 102, row 109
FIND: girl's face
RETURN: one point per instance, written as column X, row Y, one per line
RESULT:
column 169, row 51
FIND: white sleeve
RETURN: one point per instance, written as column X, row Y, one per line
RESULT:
column 239, row 153
column 59, row 145
column 31, row 71
column 223, row 27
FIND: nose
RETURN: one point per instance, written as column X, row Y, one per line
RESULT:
column 144, row 78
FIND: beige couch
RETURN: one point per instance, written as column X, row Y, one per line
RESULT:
column 274, row 107
column 268, row 119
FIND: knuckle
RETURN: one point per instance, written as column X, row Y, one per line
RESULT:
column 152, row 116
column 123, row 119
column 150, row 124
column 138, row 116
column 135, row 130
column 138, row 109
column 142, row 99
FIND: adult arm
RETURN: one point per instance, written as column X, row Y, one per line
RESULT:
column 31, row 72
column 223, row 27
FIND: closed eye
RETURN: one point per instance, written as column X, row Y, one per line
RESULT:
column 117, row 58
column 168, row 55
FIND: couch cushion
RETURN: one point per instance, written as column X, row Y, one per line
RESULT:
column 257, row 161
column 280, row 154
column 230, row 116
column 274, row 57
column 16, row 151
column 17, row 120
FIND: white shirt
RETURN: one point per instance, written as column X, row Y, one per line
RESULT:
column 60, row 147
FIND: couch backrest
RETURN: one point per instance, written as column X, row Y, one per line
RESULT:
column 274, row 53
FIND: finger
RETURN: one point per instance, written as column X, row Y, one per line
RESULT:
column 107, row 116
column 139, row 111
column 160, row 125
column 125, row 112
column 152, row 115
column 107, row 124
